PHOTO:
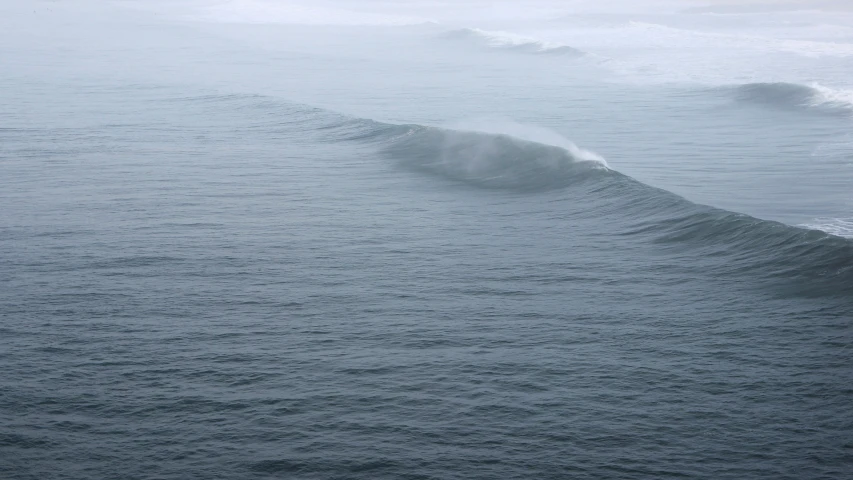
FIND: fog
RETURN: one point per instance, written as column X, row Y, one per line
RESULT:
column 331, row 239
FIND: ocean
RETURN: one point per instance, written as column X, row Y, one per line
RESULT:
column 426, row 240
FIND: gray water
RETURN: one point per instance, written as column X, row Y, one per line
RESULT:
column 334, row 240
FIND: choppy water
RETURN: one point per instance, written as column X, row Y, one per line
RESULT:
column 244, row 250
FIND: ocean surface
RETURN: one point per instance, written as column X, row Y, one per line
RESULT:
column 340, row 240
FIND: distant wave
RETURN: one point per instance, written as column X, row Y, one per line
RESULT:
column 513, row 42
column 729, row 246
column 794, row 95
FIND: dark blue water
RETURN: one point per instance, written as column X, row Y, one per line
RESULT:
column 203, row 282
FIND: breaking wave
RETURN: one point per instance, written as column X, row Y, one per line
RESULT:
column 725, row 244
column 513, row 42
column 794, row 95
column 728, row 246
column 492, row 160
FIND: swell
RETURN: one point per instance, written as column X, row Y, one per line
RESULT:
column 727, row 245
column 785, row 95
column 512, row 42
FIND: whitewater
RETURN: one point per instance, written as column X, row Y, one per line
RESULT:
column 426, row 240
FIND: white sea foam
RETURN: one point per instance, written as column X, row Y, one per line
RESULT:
column 843, row 227
column 832, row 97
column 650, row 52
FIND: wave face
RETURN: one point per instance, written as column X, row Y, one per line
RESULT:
column 794, row 95
column 492, row 160
column 729, row 246
column 513, row 42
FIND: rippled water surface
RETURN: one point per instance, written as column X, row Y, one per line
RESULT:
column 269, row 240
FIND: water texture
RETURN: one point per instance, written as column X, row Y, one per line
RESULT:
column 255, row 239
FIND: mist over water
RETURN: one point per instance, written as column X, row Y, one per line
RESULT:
column 428, row 239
